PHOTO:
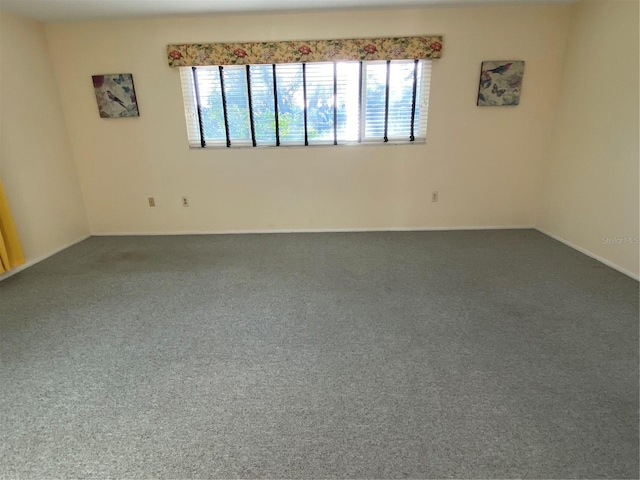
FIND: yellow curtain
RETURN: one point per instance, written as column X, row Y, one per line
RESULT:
column 10, row 249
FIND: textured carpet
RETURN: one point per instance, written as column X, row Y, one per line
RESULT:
column 380, row 355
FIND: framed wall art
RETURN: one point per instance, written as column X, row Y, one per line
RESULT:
column 116, row 95
column 500, row 83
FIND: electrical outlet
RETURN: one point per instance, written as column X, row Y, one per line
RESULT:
column 152, row 202
column 434, row 196
column 185, row 202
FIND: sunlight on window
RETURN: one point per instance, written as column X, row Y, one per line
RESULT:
column 263, row 103
column 346, row 102
column 290, row 103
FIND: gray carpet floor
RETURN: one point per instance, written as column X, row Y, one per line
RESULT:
column 486, row 354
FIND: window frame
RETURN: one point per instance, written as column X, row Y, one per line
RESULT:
column 419, row 115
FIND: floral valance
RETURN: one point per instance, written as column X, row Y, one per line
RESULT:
column 396, row 48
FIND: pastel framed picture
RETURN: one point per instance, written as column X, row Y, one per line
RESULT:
column 116, row 95
column 500, row 83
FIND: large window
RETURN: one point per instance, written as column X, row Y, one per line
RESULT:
column 307, row 103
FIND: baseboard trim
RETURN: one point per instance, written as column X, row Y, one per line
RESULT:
column 603, row 260
column 320, row 230
column 32, row 262
column 608, row 263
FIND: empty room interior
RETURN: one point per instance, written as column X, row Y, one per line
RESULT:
column 340, row 239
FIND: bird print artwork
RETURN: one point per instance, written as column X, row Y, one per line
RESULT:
column 113, row 98
column 500, row 83
column 501, row 69
column 115, row 95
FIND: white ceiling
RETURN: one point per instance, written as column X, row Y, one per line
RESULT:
column 79, row 10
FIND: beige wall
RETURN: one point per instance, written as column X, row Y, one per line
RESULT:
column 36, row 164
column 485, row 162
column 590, row 197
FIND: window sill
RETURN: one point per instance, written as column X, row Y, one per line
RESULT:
column 354, row 144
